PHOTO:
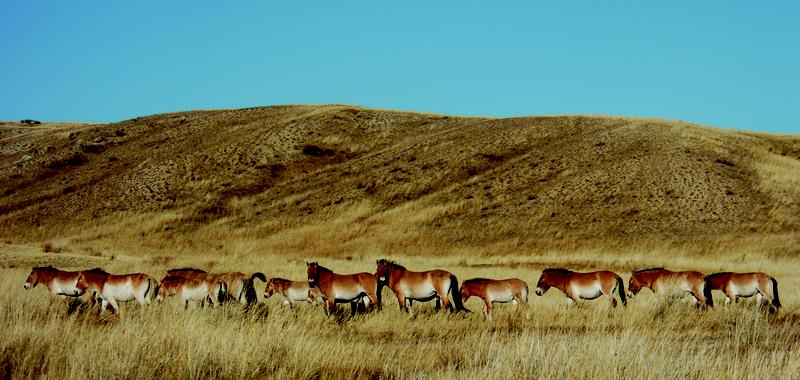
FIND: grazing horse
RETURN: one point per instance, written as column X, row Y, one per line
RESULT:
column 58, row 282
column 293, row 291
column 112, row 288
column 343, row 288
column 511, row 290
column 419, row 286
column 577, row 285
column 197, row 289
column 736, row 285
column 666, row 283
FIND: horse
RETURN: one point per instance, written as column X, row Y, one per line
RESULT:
column 197, row 289
column 58, row 282
column 577, row 285
column 343, row 288
column 419, row 286
column 293, row 291
column 664, row 282
column 736, row 285
column 112, row 288
column 238, row 286
column 511, row 290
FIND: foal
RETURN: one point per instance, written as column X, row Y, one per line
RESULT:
column 511, row 290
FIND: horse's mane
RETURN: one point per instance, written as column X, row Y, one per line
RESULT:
column 320, row 268
column 479, row 279
column 195, row 270
column 95, row 270
column 47, row 268
column 173, row 278
column 647, row 270
column 278, row 280
column 557, row 270
column 715, row 275
column 391, row 264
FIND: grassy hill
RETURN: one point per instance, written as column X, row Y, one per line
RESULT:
column 338, row 180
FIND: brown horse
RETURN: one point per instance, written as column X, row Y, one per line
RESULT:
column 112, row 288
column 343, row 288
column 58, row 282
column 668, row 283
column 238, row 286
column 577, row 285
column 293, row 291
column 197, row 289
column 736, row 285
column 419, row 286
column 511, row 290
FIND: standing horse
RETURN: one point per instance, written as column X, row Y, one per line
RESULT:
column 511, row 290
column 58, row 282
column 197, row 289
column 419, row 286
column 293, row 291
column 736, row 285
column 112, row 288
column 343, row 288
column 577, row 285
column 667, row 283
column 240, row 286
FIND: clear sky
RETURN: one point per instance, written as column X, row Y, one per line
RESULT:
column 731, row 64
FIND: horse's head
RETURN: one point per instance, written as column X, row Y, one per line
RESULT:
column 465, row 293
column 313, row 273
column 82, row 283
column 634, row 285
column 168, row 286
column 383, row 270
column 33, row 279
column 314, row 296
column 270, row 289
column 548, row 279
column 91, row 278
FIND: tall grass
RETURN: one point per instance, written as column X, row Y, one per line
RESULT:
column 548, row 339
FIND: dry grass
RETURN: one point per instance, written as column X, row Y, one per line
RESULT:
column 266, row 189
column 647, row 339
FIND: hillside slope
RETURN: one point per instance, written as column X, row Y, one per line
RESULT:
column 267, row 173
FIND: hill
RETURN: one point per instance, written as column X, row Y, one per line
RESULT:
column 339, row 180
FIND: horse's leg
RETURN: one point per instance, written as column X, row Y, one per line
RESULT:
column 487, row 308
column 114, row 305
column 402, row 302
column 329, row 305
column 438, row 301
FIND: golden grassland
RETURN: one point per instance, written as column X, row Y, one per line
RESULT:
column 267, row 189
column 648, row 338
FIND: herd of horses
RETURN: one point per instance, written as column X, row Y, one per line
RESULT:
column 363, row 290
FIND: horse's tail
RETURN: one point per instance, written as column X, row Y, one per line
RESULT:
column 249, row 291
column 776, row 301
column 456, row 292
column 621, row 291
column 152, row 289
column 258, row 275
column 222, row 291
column 707, row 293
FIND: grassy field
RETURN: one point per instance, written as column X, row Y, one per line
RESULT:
column 647, row 339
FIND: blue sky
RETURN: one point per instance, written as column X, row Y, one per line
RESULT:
column 731, row 64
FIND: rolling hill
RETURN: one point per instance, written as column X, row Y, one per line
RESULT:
column 306, row 178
